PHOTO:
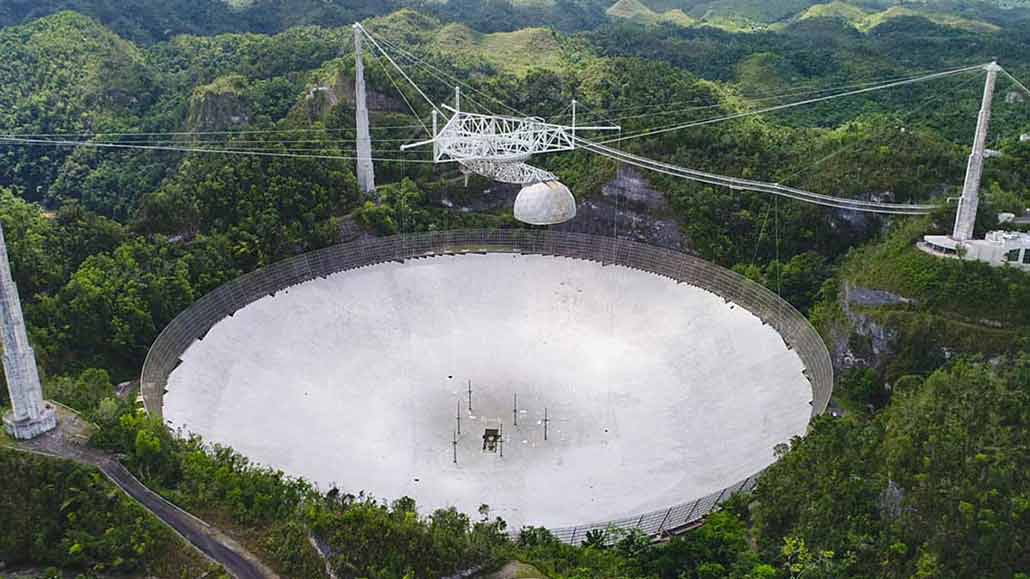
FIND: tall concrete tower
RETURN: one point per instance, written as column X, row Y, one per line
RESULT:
column 965, row 218
column 31, row 415
column 365, row 174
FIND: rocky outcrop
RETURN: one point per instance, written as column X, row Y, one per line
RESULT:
column 220, row 106
column 868, row 344
column 321, row 99
column 891, row 501
column 629, row 208
column 613, row 218
column 632, row 187
column 872, row 297
column 319, row 102
column 325, row 552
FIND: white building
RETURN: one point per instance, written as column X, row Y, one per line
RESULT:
column 998, row 248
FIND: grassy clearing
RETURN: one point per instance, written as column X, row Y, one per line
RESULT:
column 637, row 11
column 514, row 52
column 864, row 20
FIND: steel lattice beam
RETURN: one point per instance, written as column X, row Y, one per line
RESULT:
column 497, row 147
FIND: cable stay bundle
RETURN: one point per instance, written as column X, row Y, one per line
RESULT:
column 749, row 185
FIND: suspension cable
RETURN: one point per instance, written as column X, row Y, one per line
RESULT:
column 678, row 127
column 751, row 98
column 905, row 119
column 663, row 113
column 399, row 69
column 257, row 153
column 1013, row 79
column 226, row 142
column 411, row 107
column 420, row 62
column 203, row 133
column 749, row 185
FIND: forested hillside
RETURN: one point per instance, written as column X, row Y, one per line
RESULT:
column 148, row 22
column 164, row 148
column 59, row 515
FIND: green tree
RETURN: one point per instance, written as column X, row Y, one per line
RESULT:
column 931, row 485
column 83, row 392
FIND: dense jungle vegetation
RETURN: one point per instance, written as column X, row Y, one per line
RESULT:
column 924, row 476
column 66, row 516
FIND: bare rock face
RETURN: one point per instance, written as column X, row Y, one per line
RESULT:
column 615, row 218
column 873, row 297
column 629, row 208
column 631, row 186
column 219, row 106
column 880, row 339
column 891, row 501
column 321, row 99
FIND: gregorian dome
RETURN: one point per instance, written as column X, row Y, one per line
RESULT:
column 545, row 203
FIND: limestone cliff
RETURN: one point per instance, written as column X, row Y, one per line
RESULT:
column 220, row 106
column 322, row 98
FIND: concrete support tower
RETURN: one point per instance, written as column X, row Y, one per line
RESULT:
column 31, row 415
column 365, row 174
column 965, row 218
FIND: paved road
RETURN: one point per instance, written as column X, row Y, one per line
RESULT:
column 201, row 535
column 66, row 444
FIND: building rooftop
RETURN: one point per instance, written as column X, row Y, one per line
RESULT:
column 997, row 248
column 1016, row 238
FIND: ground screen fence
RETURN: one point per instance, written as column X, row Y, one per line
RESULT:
column 194, row 323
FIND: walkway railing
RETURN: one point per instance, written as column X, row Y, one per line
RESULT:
column 194, row 323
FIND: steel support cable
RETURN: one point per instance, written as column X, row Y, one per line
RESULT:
column 773, row 96
column 668, row 128
column 296, row 149
column 314, row 146
column 661, row 130
column 446, row 76
column 761, row 233
column 904, row 120
column 749, row 98
column 441, row 79
column 399, row 69
column 656, row 114
column 691, row 109
column 775, row 189
column 449, row 80
column 411, row 107
column 257, row 153
column 749, row 185
column 465, row 97
column 228, row 142
column 381, row 152
column 1015, row 80
column 561, row 113
column 602, row 117
column 194, row 133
